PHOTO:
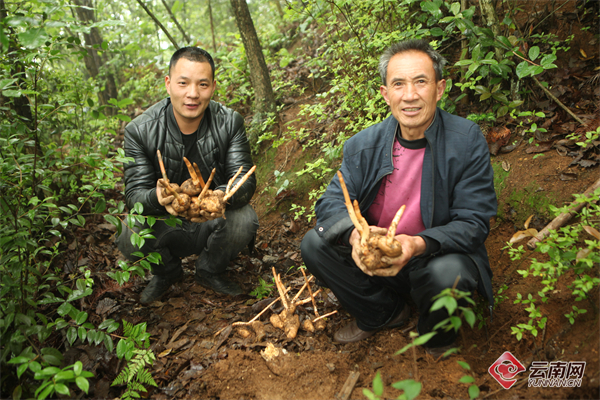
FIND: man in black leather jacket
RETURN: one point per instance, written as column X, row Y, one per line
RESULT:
column 189, row 124
column 435, row 163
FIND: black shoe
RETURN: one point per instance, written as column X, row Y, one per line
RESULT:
column 158, row 286
column 218, row 282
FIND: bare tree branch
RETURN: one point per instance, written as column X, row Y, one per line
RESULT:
column 185, row 36
column 157, row 22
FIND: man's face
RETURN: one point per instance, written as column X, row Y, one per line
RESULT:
column 412, row 92
column 191, row 86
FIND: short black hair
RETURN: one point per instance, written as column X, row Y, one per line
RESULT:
column 195, row 54
column 412, row 45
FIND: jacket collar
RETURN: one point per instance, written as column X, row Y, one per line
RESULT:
column 171, row 122
column 431, row 132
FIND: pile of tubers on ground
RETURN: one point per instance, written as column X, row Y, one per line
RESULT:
column 374, row 245
column 194, row 195
column 287, row 320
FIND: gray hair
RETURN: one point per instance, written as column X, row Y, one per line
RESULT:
column 411, row 45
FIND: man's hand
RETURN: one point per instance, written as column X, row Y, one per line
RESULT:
column 357, row 249
column 165, row 201
column 412, row 246
column 205, row 215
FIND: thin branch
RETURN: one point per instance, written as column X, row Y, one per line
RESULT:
column 558, row 101
column 185, row 36
column 157, row 22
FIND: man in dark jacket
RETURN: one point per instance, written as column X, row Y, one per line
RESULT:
column 189, row 124
column 437, row 165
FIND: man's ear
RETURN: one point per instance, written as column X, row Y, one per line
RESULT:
column 384, row 92
column 168, row 84
column 441, row 88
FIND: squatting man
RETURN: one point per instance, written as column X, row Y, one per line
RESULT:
column 189, row 124
column 438, row 166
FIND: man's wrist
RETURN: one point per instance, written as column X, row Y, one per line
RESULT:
column 432, row 246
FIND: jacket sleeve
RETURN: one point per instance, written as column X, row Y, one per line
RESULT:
column 238, row 154
column 472, row 202
column 140, row 176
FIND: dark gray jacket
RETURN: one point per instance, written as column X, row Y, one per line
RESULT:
column 457, row 187
column 224, row 146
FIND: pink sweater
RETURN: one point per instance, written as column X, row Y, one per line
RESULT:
column 403, row 186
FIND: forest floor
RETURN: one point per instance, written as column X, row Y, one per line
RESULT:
column 193, row 362
column 200, row 356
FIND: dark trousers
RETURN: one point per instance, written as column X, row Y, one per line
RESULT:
column 374, row 301
column 216, row 242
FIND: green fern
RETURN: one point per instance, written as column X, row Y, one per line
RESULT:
column 134, row 348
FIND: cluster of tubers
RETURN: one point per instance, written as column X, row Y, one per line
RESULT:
column 287, row 320
column 374, row 245
column 194, row 195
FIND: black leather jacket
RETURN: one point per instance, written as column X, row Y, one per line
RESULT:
column 224, row 146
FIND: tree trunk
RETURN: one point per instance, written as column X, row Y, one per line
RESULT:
column 491, row 19
column 278, row 6
column 212, row 27
column 93, row 60
column 264, row 100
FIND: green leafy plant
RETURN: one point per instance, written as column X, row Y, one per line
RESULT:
column 536, row 320
column 469, row 380
column 411, row 389
column 53, row 379
column 134, row 349
column 130, row 221
column 526, row 124
column 587, row 140
column 572, row 258
column 264, row 289
column 284, row 185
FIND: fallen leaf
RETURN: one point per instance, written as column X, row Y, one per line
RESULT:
column 165, row 353
column 583, row 253
column 568, row 176
column 106, row 305
column 497, row 137
column 294, row 226
column 526, row 224
column 592, row 231
column 178, row 344
column 587, row 163
column 520, row 235
column 506, row 165
column 108, row 227
column 177, row 302
column 179, row 332
column 540, row 148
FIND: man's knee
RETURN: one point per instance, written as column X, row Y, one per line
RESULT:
column 123, row 241
column 445, row 270
column 243, row 219
column 310, row 247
